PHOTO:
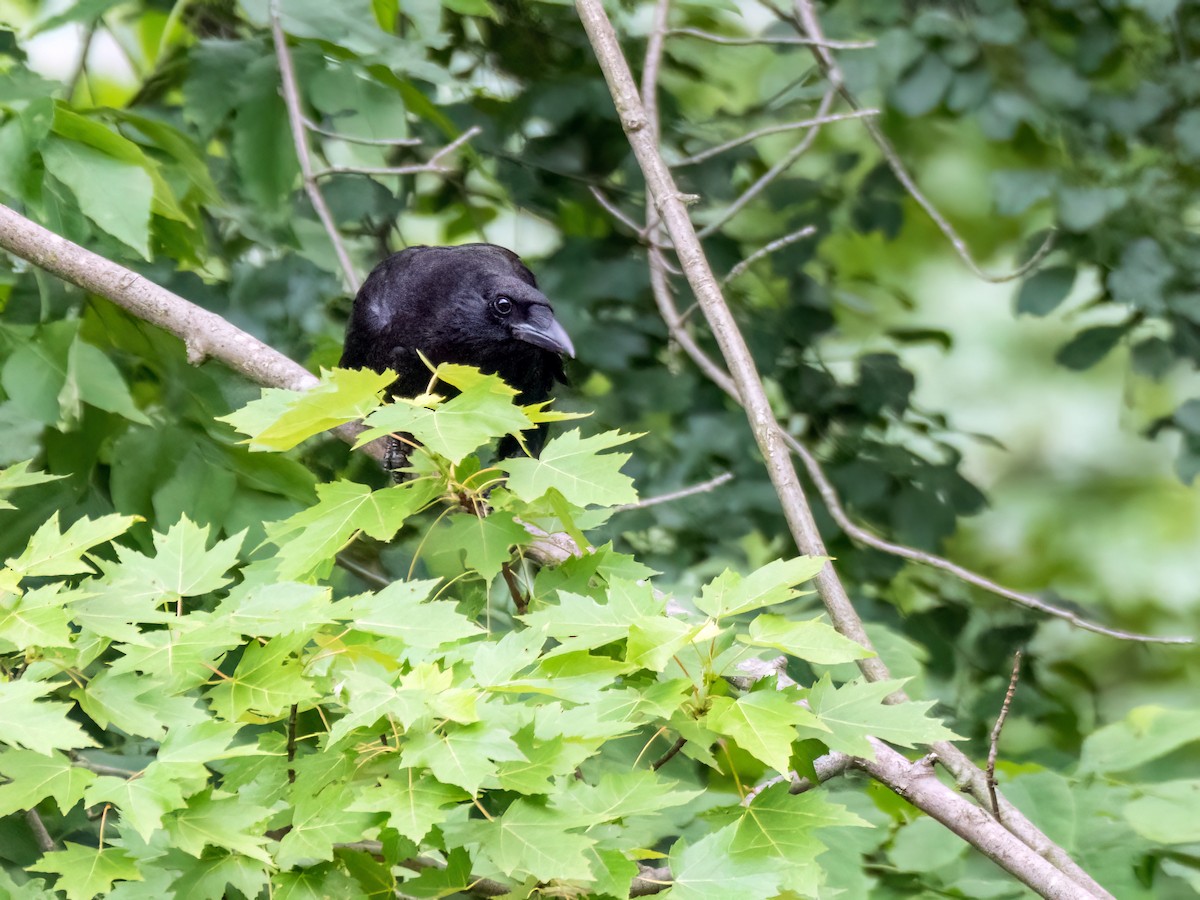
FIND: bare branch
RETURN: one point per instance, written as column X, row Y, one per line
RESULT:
column 413, row 169
column 778, row 244
column 806, row 20
column 994, row 742
column 650, row 880
column 45, row 843
column 766, row 39
column 617, row 213
column 206, row 334
column 772, row 173
column 354, row 139
column 771, row 129
column 83, row 762
column 669, row 755
column 917, row 783
column 829, row 766
column 862, row 536
column 432, row 165
column 1023, row 857
column 85, row 49
column 702, row 488
column 291, row 99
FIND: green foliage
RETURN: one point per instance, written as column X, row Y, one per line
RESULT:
column 219, row 604
column 266, row 719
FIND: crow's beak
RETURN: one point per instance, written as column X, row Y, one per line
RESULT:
column 542, row 330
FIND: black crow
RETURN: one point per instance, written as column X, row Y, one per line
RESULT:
column 475, row 304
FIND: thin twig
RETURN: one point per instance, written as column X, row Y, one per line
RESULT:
column 101, row 769
column 291, row 742
column 995, row 738
column 432, row 165
column 769, row 130
column 829, row 766
column 778, row 244
column 85, row 49
column 807, row 22
column 617, row 213
column 669, row 755
column 45, row 843
column 520, row 601
column 291, row 99
column 650, row 880
column 772, row 173
column 766, row 39
column 355, row 139
column 702, row 488
column 861, row 535
column 357, row 568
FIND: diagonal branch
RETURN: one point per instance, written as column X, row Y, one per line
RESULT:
column 296, row 121
column 715, row 38
column 1014, row 855
column 806, row 22
column 432, row 165
column 769, row 130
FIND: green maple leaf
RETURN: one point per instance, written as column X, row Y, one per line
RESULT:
column 119, row 605
column 414, row 803
column 182, row 566
column 52, row 553
column 37, row 618
column 574, row 466
column 36, row 776
column 84, row 872
column 486, row 541
column 653, row 642
column 311, row 538
column 812, row 640
column 619, row 795
column 277, row 608
column 268, row 680
column 763, row 724
column 729, row 594
column 708, row 870
column 320, row 821
column 483, row 410
column 466, row 755
column 181, row 656
column 19, row 476
column 530, row 840
column 281, row 419
column 856, row 710
column 227, row 822
column 579, row 622
column 132, row 702
column 36, row 724
column 143, row 801
column 401, row 610
column 573, row 676
column 782, row 826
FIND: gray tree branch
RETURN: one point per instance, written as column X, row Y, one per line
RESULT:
column 984, row 833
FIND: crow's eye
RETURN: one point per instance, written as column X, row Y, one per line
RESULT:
column 502, row 305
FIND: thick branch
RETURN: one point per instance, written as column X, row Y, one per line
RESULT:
column 917, row 783
column 704, row 285
column 749, row 389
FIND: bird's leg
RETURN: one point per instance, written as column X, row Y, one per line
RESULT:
column 395, row 458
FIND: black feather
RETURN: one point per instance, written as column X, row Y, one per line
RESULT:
column 475, row 304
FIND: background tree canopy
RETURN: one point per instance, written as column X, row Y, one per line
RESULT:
column 962, row 244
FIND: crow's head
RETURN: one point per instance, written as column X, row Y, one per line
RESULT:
column 462, row 304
